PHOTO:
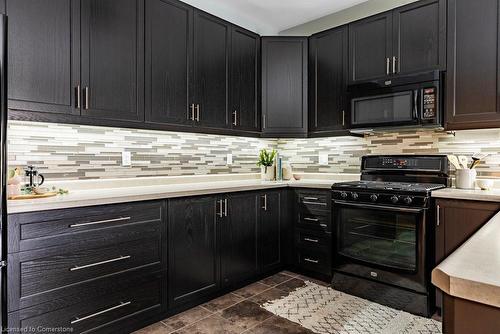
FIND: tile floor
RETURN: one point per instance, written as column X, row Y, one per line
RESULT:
column 238, row 311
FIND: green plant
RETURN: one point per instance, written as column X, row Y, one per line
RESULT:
column 266, row 159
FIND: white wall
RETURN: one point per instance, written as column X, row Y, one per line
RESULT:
column 345, row 16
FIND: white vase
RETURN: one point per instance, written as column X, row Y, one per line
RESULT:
column 267, row 173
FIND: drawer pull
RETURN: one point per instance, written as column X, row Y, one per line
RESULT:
column 78, row 319
column 121, row 258
column 323, row 225
column 311, row 260
column 100, row 222
column 311, row 219
column 314, row 203
column 310, row 198
column 311, row 240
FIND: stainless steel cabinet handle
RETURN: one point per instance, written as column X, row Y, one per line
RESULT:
column 265, row 203
column 311, row 260
column 87, row 93
column 78, row 97
column 311, row 219
column 235, row 114
column 394, row 60
column 314, row 203
column 438, row 209
column 225, row 207
column 191, row 116
column 323, row 225
column 263, row 121
column 101, row 222
column 121, row 258
column 78, row 319
column 388, row 66
column 220, row 213
column 311, row 240
column 311, row 198
column 197, row 113
column 343, row 117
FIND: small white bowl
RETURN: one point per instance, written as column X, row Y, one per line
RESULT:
column 484, row 184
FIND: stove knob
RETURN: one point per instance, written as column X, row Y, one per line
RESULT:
column 343, row 195
column 408, row 200
column 373, row 198
column 354, row 196
column 394, row 199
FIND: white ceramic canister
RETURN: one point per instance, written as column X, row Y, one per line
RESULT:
column 466, row 178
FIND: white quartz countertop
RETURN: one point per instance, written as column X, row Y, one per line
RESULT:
column 472, row 272
column 475, row 195
column 83, row 193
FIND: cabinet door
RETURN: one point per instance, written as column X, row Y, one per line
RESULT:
column 113, row 59
column 245, row 54
column 168, row 53
column 211, row 41
column 284, row 86
column 238, row 234
column 328, row 76
column 270, row 231
column 420, row 36
column 370, row 48
column 44, row 55
column 472, row 79
column 193, row 264
column 458, row 221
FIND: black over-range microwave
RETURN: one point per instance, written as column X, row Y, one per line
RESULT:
column 412, row 101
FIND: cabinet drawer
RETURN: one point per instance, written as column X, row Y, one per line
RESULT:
column 315, row 220
column 314, row 200
column 107, row 313
column 89, row 225
column 41, row 275
column 313, row 239
column 314, row 260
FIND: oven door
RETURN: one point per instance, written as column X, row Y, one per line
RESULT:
column 384, row 243
column 394, row 108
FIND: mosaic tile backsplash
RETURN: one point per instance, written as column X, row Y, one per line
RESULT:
column 66, row 152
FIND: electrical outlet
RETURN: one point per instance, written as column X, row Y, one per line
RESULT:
column 323, row 159
column 229, row 159
column 126, row 159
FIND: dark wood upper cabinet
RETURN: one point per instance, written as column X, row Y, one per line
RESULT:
column 244, row 83
column 370, row 48
column 193, row 258
column 210, row 70
column 472, row 81
column 44, row 55
column 406, row 40
column 420, row 37
column 112, row 50
column 168, row 53
column 238, row 234
column 270, row 231
column 284, row 86
column 328, row 60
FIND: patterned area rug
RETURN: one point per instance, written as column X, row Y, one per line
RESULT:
column 324, row 310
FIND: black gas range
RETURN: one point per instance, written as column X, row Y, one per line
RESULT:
column 384, row 245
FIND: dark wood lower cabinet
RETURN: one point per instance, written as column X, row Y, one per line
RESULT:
column 193, row 262
column 457, row 221
column 270, row 231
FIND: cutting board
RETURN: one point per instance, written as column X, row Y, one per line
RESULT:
column 33, row 196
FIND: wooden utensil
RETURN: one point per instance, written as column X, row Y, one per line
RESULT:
column 33, row 196
column 476, row 159
column 454, row 161
column 464, row 161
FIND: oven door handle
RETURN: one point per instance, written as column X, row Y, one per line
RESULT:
column 416, row 106
column 380, row 207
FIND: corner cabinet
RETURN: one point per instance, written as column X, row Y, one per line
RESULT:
column 328, row 62
column 409, row 39
column 284, row 86
column 472, row 81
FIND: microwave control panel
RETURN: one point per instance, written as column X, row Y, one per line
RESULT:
column 430, row 102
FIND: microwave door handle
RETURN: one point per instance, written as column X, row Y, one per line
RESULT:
column 415, row 104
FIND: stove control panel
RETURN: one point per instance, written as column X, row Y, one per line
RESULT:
column 381, row 198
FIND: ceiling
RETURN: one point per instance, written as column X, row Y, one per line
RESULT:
column 269, row 17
